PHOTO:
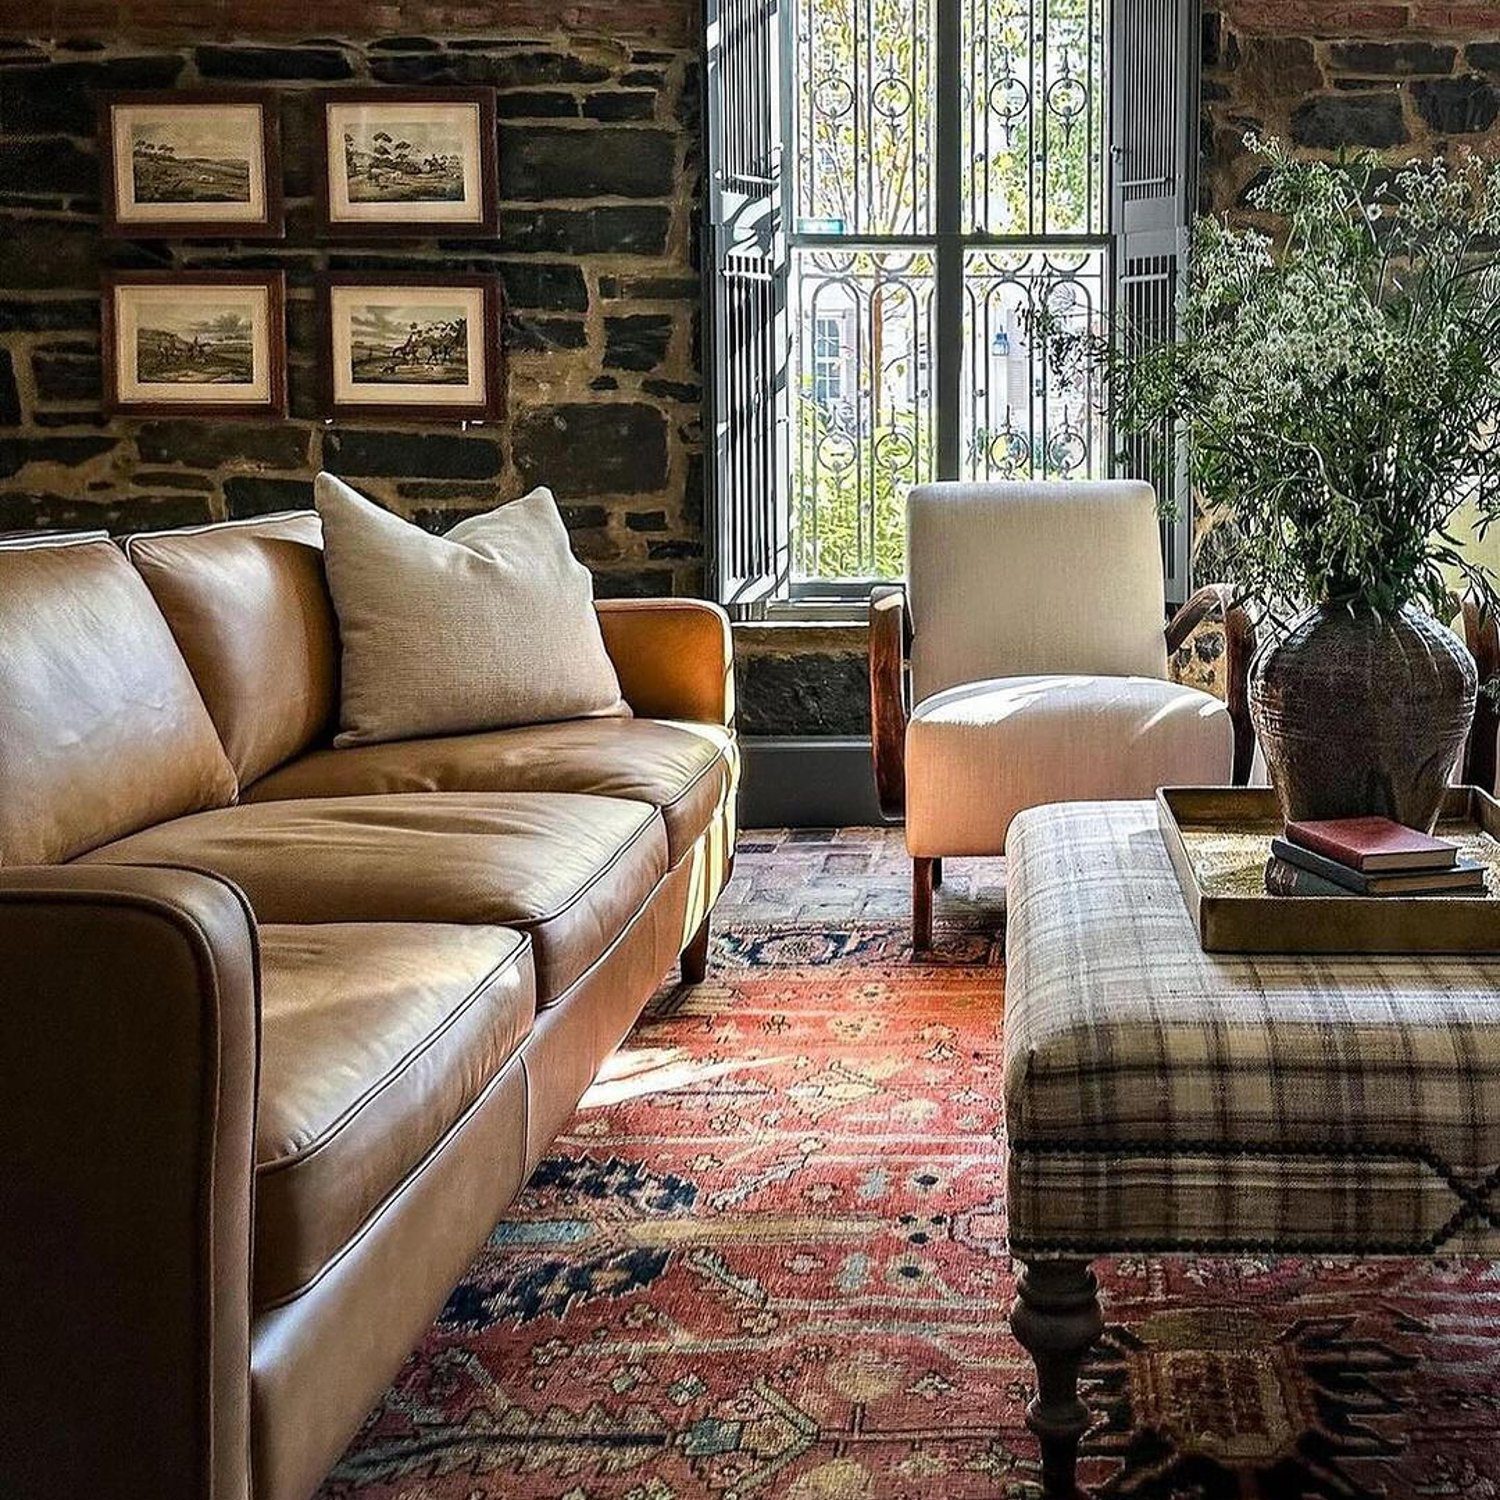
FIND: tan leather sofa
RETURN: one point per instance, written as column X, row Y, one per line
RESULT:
column 283, row 1029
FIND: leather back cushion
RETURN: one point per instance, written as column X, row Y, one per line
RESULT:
column 1011, row 580
column 102, row 731
column 249, row 606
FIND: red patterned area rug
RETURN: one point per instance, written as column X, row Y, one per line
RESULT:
column 768, row 1258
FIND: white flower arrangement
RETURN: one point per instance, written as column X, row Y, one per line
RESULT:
column 1337, row 386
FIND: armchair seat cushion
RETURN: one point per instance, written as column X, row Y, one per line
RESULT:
column 686, row 771
column 376, row 1037
column 979, row 753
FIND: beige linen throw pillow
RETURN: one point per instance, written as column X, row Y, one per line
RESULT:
column 488, row 626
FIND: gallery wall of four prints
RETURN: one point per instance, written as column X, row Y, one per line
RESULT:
column 393, row 162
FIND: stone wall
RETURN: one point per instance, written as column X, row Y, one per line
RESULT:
column 1401, row 79
column 673, row 22
column 598, row 151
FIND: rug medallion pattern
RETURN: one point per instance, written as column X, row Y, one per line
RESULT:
column 768, row 1259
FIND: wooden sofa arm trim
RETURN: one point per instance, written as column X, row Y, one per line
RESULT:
column 1482, row 635
column 1239, row 647
column 889, row 640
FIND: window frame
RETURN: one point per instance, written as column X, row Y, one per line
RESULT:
column 1149, row 89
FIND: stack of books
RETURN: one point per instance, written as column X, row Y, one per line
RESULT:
column 1368, row 857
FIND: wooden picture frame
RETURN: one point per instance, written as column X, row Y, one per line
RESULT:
column 439, row 175
column 154, row 187
column 367, row 373
column 160, row 329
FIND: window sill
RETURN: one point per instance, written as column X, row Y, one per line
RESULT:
column 801, row 634
column 824, row 610
column 849, row 606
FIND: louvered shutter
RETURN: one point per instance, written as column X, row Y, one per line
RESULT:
column 1155, row 53
column 746, row 333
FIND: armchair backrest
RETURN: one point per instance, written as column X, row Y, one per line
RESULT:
column 1007, row 580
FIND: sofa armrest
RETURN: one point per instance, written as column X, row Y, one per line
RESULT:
column 889, row 642
column 128, row 1048
column 674, row 657
column 1239, row 646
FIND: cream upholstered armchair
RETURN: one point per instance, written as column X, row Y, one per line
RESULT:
column 1032, row 626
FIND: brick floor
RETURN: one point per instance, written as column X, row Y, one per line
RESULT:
column 811, row 875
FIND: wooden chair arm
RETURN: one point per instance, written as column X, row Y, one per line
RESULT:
column 1482, row 635
column 890, row 637
column 1239, row 646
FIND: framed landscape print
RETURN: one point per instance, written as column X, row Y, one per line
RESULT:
column 408, row 162
column 191, row 162
column 195, row 343
column 412, row 346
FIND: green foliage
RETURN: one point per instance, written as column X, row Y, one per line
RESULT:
column 867, row 115
column 1337, row 386
column 856, row 164
column 849, row 507
column 1041, row 171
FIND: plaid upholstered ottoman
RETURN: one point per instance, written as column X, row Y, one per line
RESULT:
column 1162, row 1099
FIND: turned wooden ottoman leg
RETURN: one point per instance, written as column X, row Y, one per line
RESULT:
column 1057, row 1320
column 694, row 958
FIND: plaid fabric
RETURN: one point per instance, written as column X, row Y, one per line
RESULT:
column 1159, row 1097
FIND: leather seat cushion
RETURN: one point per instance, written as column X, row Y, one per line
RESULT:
column 977, row 755
column 375, row 1038
column 685, row 770
column 570, row 870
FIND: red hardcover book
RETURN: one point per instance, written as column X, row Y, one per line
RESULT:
column 1372, row 844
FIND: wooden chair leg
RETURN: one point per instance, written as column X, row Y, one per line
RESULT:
column 694, row 958
column 921, row 905
column 1057, row 1320
column 937, row 874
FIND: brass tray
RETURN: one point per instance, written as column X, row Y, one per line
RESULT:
column 1218, row 839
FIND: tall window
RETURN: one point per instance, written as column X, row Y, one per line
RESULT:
column 936, row 193
column 926, row 172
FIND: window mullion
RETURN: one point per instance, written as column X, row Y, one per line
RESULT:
column 947, row 356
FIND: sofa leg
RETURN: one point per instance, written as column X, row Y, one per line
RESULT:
column 921, row 904
column 1057, row 1320
column 937, row 874
column 694, row 958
